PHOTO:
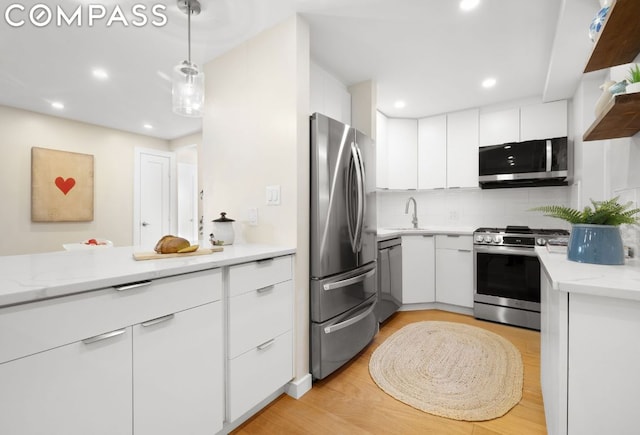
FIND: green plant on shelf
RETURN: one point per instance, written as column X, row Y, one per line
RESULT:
column 634, row 74
column 608, row 212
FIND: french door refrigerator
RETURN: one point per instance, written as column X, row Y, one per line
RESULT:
column 343, row 244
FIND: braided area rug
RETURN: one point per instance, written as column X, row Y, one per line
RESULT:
column 450, row 369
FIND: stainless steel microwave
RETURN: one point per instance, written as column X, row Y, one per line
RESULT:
column 546, row 162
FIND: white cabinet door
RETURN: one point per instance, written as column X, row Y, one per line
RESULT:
column 500, row 127
column 382, row 165
column 77, row 389
column 462, row 149
column 543, row 121
column 178, row 373
column 418, row 269
column 454, row 270
column 432, row 152
column 402, row 153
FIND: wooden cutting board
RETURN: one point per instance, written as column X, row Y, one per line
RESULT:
column 154, row 255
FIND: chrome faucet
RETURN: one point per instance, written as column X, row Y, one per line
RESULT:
column 414, row 217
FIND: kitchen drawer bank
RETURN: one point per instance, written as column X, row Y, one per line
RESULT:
column 144, row 354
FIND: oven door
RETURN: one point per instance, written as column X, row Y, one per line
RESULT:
column 507, row 276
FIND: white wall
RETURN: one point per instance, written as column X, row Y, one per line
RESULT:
column 328, row 95
column 256, row 134
column 113, row 183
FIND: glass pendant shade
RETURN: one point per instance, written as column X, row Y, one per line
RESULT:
column 188, row 90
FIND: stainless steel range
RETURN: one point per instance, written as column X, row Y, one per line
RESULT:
column 507, row 273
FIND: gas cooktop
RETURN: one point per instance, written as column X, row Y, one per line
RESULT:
column 514, row 235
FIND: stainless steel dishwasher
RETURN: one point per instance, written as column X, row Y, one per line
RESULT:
column 389, row 278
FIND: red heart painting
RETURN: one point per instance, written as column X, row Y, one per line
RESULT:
column 65, row 185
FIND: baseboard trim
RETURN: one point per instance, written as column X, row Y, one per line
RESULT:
column 437, row 306
column 298, row 387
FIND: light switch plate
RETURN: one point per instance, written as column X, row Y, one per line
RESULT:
column 273, row 195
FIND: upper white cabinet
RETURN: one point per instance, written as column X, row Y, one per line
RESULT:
column 381, row 151
column 402, row 153
column 328, row 95
column 543, row 121
column 500, row 127
column 418, row 269
column 432, row 152
column 462, row 149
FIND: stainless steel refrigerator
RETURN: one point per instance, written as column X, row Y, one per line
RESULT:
column 343, row 244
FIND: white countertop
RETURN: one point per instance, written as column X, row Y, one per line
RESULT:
column 621, row 282
column 387, row 233
column 32, row 277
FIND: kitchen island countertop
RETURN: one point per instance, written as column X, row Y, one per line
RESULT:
column 33, row 277
column 621, row 282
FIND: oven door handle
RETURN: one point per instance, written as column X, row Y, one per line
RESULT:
column 505, row 250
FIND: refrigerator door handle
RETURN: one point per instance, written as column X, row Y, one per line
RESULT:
column 361, row 198
column 349, row 281
column 349, row 322
column 352, row 211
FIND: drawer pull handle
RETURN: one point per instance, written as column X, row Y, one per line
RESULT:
column 338, row 326
column 265, row 289
column 464, row 250
column 427, row 235
column 264, row 261
column 349, row 281
column 453, row 235
column 266, row 344
column 157, row 320
column 131, row 286
column 104, row 336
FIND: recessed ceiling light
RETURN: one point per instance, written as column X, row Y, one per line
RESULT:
column 100, row 74
column 399, row 104
column 148, row 126
column 489, row 82
column 57, row 105
column 467, row 5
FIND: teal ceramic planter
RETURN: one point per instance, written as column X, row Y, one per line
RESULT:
column 597, row 244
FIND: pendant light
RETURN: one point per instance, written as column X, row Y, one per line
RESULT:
column 188, row 80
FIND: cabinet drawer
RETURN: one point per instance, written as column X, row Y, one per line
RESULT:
column 454, row 242
column 34, row 327
column 258, row 274
column 259, row 315
column 256, row 374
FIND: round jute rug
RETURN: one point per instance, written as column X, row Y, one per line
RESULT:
column 449, row 369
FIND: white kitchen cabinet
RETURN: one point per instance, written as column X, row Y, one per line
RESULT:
column 418, row 269
column 454, row 270
column 177, row 373
column 382, row 165
column 543, row 121
column 432, row 152
column 114, row 377
column 402, row 153
column 462, row 149
column 500, row 127
column 76, row 389
column 260, row 346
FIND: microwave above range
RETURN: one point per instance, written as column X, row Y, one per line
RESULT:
column 544, row 162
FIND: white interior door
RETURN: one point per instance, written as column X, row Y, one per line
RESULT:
column 188, row 201
column 154, row 197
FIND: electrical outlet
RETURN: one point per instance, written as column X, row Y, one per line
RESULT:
column 252, row 216
column 453, row 215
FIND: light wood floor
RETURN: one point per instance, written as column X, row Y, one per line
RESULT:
column 349, row 402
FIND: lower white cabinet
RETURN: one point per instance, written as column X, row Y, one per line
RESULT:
column 157, row 374
column 454, row 270
column 76, row 389
column 260, row 332
column 418, row 269
column 177, row 373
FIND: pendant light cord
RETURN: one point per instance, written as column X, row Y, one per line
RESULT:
column 189, row 28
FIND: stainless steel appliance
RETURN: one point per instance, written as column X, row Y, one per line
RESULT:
column 343, row 244
column 389, row 277
column 507, row 273
column 546, row 162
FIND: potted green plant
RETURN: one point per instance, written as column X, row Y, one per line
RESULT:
column 633, row 79
column 595, row 233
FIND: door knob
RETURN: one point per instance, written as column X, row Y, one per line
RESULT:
column 145, row 224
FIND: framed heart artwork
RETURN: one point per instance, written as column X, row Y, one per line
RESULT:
column 61, row 186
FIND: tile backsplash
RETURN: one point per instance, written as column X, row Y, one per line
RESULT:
column 474, row 207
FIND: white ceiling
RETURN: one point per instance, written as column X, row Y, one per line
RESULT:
column 425, row 52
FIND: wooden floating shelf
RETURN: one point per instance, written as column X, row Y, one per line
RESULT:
column 620, row 118
column 619, row 40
